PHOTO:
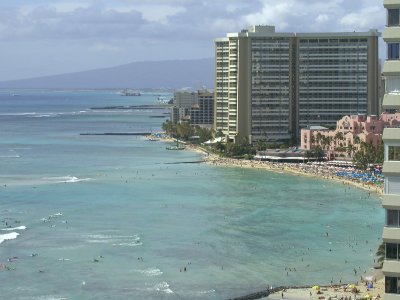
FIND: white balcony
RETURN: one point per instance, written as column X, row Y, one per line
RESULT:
column 391, row 3
column 391, row 34
column 391, row 67
column 391, row 135
column 391, row 235
column 391, row 268
column 391, row 202
column 391, row 101
column 392, row 297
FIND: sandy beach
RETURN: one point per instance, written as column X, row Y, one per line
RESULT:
column 301, row 169
column 334, row 292
column 323, row 171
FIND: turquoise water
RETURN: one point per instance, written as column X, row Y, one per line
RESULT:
column 119, row 217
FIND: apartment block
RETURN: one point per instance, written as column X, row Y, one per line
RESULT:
column 269, row 85
column 391, row 166
column 197, row 108
column 202, row 113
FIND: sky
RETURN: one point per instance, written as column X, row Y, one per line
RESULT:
column 45, row 37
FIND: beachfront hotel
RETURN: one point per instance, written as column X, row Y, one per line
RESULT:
column 350, row 132
column 268, row 85
column 196, row 108
column 391, row 165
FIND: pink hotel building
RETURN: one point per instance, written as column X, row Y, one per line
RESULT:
column 367, row 128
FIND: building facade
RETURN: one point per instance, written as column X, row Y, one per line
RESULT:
column 391, row 165
column 350, row 131
column 268, row 85
column 202, row 114
column 196, row 108
column 183, row 101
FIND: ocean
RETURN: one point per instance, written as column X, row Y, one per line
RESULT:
column 120, row 217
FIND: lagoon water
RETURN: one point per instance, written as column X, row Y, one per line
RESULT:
column 119, row 217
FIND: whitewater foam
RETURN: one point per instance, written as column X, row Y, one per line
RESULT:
column 15, row 228
column 163, row 287
column 8, row 236
column 51, row 297
column 65, row 179
column 10, row 156
column 151, row 272
column 115, row 240
column 132, row 244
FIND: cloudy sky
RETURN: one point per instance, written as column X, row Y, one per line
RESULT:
column 42, row 37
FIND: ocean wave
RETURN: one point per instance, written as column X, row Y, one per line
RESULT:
column 163, row 287
column 15, row 228
column 205, row 292
column 115, row 240
column 18, row 114
column 51, row 297
column 117, row 111
column 10, row 156
column 8, row 236
column 9, row 153
column 104, row 236
column 151, row 272
column 65, row 179
column 43, row 114
column 131, row 244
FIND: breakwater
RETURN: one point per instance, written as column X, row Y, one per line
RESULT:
column 261, row 294
column 144, row 106
column 117, row 133
column 267, row 292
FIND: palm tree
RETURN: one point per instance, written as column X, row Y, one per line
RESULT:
column 380, row 253
column 318, row 138
column 350, row 149
column 339, row 136
column 260, row 145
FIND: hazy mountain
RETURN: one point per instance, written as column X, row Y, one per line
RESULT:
column 138, row 75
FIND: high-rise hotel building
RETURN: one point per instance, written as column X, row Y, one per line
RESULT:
column 268, row 85
column 391, row 166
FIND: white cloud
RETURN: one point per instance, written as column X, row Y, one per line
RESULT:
column 315, row 15
column 271, row 14
column 366, row 18
column 322, row 18
column 138, row 30
column 101, row 47
column 152, row 13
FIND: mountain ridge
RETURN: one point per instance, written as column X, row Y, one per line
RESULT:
column 167, row 74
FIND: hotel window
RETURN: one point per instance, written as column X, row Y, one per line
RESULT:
column 392, row 218
column 391, row 251
column 393, row 51
column 393, row 17
column 392, row 84
column 392, row 185
column 391, row 285
column 394, row 153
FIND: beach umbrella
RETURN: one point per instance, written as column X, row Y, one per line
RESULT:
column 315, row 287
column 351, row 286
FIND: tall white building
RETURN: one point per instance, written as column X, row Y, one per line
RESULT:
column 268, row 85
column 391, row 166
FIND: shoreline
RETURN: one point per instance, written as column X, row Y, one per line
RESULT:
column 335, row 291
column 299, row 169
column 312, row 170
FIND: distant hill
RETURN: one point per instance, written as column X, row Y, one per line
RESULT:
column 138, row 75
